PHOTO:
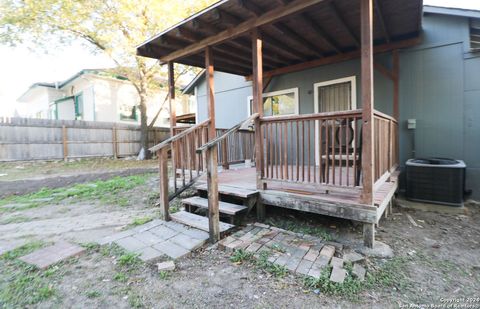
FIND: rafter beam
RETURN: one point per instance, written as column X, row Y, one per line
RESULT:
column 281, row 48
column 324, row 36
column 381, row 20
column 246, row 26
column 342, row 20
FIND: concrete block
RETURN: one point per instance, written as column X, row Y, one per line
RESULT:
column 336, row 262
column 359, row 272
column 166, row 266
column 338, row 275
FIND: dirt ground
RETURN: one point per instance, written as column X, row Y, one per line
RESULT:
column 435, row 262
column 26, row 177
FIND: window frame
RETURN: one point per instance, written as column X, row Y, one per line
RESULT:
column 274, row 93
column 353, row 82
column 130, row 119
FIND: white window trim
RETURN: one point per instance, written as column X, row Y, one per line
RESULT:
column 351, row 79
column 273, row 93
column 353, row 88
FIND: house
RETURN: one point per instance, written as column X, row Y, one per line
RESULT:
column 95, row 95
column 331, row 87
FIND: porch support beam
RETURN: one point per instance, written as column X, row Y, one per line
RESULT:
column 257, row 84
column 171, row 98
column 246, row 26
column 366, row 12
column 396, row 85
column 342, row 20
column 211, row 153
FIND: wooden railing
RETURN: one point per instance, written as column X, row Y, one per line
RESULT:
column 313, row 151
column 236, row 147
column 385, row 146
column 210, row 151
column 187, row 164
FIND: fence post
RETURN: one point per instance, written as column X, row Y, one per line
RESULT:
column 114, row 142
column 163, row 169
column 65, row 144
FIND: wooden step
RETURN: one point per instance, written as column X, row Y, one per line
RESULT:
column 197, row 221
column 232, row 191
column 223, row 207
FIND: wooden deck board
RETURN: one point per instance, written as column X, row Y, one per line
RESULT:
column 346, row 205
column 224, row 207
column 198, row 222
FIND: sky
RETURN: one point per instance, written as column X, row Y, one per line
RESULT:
column 21, row 67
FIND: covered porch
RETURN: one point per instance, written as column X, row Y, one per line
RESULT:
column 340, row 163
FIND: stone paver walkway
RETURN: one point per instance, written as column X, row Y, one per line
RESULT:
column 158, row 238
column 301, row 254
column 45, row 257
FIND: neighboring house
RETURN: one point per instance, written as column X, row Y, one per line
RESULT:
column 94, row 95
column 439, row 87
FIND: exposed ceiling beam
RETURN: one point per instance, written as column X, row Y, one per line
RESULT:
column 339, row 58
column 268, row 39
column 246, row 26
column 316, row 27
column 256, row 11
column 381, row 20
column 342, row 20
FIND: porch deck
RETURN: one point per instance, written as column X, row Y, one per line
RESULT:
column 341, row 204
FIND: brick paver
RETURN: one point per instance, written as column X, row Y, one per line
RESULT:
column 159, row 238
column 302, row 254
column 45, row 257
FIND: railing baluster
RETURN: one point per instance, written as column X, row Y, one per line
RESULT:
column 309, row 149
column 298, row 151
column 347, row 150
column 333, row 150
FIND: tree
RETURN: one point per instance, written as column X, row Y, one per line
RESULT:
column 114, row 27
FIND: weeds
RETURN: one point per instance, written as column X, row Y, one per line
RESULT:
column 93, row 294
column 120, row 277
column 128, row 259
column 274, row 269
column 240, row 256
column 164, row 275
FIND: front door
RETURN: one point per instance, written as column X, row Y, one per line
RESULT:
column 333, row 96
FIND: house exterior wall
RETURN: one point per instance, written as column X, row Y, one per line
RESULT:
column 439, row 87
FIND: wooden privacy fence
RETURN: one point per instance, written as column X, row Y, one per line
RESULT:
column 45, row 139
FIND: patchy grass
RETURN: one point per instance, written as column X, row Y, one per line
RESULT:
column 93, row 294
column 140, row 221
column 28, row 169
column 15, row 219
column 22, row 285
column 297, row 227
column 106, row 191
column 120, row 277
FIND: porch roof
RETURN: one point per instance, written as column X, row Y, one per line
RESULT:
column 293, row 32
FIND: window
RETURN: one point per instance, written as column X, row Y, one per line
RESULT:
column 283, row 102
column 79, row 106
column 128, row 112
column 475, row 34
column 335, row 95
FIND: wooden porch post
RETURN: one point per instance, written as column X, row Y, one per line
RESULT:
column 257, row 105
column 173, row 119
column 366, row 12
column 212, row 153
column 396, row 86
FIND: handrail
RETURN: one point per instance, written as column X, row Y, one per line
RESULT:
column 355, row 112
column 226, row 134
column 178, row 136
column 383, row 115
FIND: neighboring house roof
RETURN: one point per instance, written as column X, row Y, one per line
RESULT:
column 451, row 11
column 110, row 73
column 191, row 86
